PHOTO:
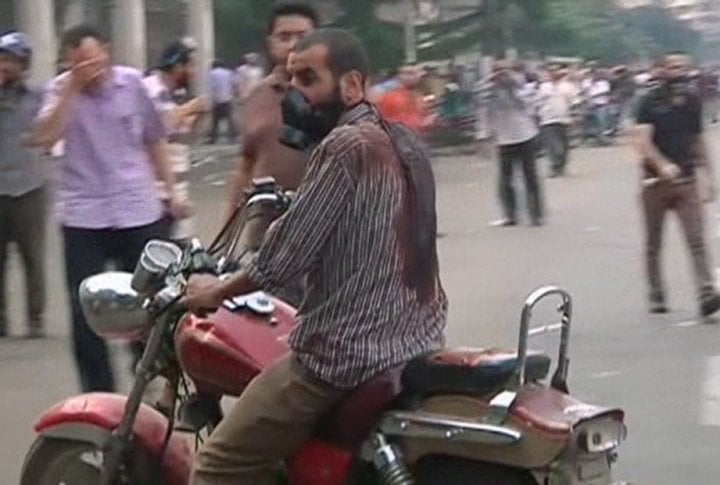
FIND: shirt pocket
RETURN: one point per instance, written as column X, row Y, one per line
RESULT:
column 132, row 126
column 129, row 121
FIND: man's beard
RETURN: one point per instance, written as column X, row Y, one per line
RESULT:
column 332, row 109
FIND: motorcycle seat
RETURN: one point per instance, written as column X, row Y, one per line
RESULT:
column 353, row 419
column 468, row 371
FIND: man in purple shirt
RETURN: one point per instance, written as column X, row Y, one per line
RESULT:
column 110, row 205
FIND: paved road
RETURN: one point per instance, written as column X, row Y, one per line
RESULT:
column 665, row 371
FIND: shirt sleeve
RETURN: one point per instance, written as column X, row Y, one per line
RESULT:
column 157, row 95
column 51, row 96
column 295, row 242
column 153, row 126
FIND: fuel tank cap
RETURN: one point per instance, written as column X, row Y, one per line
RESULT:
column 258, row 302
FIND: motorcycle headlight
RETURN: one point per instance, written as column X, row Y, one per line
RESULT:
column 600, row 435
column 112, row 309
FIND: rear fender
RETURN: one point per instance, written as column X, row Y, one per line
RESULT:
column 545, row 418
column 92, row 418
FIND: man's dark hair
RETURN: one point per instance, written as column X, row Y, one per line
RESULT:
column 175, row 54
column 73, row 37
column 345, row 51
column 294, row 8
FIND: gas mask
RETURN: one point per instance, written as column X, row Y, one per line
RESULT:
column 305, row 125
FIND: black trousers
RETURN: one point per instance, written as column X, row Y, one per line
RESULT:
column 88, row 252
column 555, row 136
column 22, row 221
column 222, row 112
column 523, row 154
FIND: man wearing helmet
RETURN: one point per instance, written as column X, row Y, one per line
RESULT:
column 22, row 192
column 169, row 88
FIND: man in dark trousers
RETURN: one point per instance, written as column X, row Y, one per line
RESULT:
column 115, row 148
column 678, row 175
column 511, row 107
column 22, row 183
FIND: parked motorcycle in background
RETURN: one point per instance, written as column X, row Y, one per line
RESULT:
column 457, row 416
column 452, row 122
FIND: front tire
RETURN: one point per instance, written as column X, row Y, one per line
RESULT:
column 440, row 470
column 52, row 461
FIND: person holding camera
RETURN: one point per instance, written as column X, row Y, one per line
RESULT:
column 511, row 108
column 678, row 176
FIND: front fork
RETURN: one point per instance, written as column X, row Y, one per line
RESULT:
column 118, row 444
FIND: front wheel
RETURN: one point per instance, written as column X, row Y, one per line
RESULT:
column 53, row 461
column 440, row 470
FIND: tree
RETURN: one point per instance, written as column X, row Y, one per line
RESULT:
column 664, row 32
column 240, row 27
column 598, row 29
column 383, row 40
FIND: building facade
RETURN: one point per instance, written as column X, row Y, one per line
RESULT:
column 139, row 29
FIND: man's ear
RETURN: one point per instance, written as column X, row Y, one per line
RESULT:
column 352, row 88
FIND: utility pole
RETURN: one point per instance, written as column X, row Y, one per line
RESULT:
column 410, row 37
column 37, row 19
column 129, row 41
column 201, row 27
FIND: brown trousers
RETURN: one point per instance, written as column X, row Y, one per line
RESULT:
column 22, row 221
column 683, row 198
column 275, row 415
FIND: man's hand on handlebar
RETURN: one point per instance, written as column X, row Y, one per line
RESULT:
column 204, row 294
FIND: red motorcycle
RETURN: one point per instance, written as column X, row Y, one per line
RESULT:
column 458, row 416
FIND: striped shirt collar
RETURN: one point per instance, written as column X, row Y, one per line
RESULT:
column 362, row 110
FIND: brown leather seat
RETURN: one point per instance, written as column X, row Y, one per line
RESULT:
column 450, row 371
column 352, row 421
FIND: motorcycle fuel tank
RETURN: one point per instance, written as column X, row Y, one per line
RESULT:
column 223, row 352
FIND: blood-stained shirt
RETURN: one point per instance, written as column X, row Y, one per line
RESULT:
column 366, row 308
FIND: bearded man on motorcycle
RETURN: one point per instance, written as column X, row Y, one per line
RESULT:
column 363, row 231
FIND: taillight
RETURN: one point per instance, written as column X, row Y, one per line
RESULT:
column 600, row 435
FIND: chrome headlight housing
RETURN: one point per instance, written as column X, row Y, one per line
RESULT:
column 113, row 310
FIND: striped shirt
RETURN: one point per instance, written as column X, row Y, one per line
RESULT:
column 345, row 232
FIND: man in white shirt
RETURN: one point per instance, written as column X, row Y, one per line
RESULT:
column 249, row 75
column 555, row 100
column 598, row 94
column 223, row 86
